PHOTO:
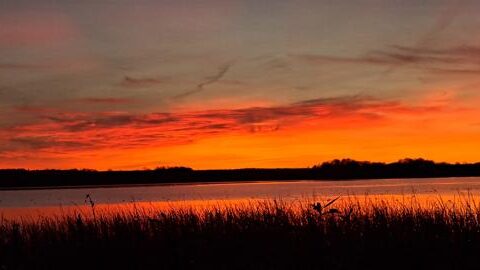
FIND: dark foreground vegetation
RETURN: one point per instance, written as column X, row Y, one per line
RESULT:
column 267, row 235
column 332, row 170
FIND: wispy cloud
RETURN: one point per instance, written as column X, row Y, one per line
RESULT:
column 44, row 142
column 208, row 81
column 460, row 59
column 459, row 51
column 447, row 16
column 112, row 100
column 129, row 81
column 73, row 131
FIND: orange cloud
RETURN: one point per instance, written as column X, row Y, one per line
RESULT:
column 298, row 134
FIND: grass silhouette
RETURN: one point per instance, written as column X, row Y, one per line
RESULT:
column 271, row 234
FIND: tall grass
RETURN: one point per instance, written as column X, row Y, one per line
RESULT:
column 271, row 234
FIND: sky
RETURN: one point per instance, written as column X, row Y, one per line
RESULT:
column 118, row 84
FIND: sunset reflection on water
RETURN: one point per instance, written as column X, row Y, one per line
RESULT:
column 460, row 201
column 26, row 204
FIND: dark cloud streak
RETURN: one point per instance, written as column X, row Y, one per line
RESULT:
column 208, row 81
column 141, row 82
column 107, row 100
column 460, row 59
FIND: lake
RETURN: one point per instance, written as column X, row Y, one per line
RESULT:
column 28, row 203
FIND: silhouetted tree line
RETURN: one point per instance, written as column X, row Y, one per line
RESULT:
column 337, row 169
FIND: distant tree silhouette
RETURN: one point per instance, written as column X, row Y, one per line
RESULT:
column 337, row 169
column 178, row 169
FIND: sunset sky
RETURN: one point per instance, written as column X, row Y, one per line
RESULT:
column 228, row 84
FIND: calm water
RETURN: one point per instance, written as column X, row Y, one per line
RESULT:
column 21, row 202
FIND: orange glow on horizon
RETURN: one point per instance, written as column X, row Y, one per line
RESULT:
column 376, row 131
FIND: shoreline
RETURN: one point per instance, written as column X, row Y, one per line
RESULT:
column 217, row 183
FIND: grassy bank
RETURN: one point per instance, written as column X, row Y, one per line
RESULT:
column 348, row 234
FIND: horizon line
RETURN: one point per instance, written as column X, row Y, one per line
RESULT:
column 161, row 167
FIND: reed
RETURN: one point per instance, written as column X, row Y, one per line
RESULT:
column 349, row 233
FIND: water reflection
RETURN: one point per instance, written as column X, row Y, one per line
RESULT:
column 31, row 204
